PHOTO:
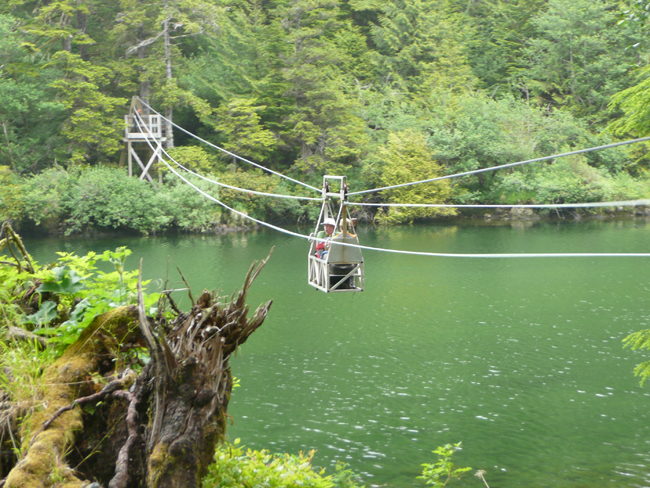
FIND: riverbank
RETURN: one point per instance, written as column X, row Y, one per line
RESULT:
column 505, row 216
column 103, row 201
column 497, row 217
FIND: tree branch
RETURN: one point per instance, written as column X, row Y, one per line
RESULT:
column 144, row 43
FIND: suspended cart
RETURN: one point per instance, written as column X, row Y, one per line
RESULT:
column 335, row 263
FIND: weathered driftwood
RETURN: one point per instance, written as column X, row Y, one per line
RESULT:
column 164, row 430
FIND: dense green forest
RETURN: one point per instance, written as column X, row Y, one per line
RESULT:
column 381, row 91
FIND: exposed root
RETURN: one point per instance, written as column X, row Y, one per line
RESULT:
column 199, row 387
column 121, row 477
column 125, row 381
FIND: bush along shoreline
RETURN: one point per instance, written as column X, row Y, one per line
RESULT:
column 104, row 200
column 101, row 201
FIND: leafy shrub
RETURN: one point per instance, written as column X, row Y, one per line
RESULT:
column 570, row 180
column 189, row 210
column 80, row 292
column 44, row 196
column 261, row 207
column 11, row 204
column 406, row 158
column 107, row 198
column 195, row 158
column 438, row 474
column 81, row 199
column 236, row 468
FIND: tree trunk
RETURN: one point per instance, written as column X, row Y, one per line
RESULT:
column 82, row 21
column 169, row 111
column 145, row 84
column 44, row 450
column 11, row 156
column 158, row 429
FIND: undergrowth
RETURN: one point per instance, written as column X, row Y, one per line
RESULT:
column 238, row 467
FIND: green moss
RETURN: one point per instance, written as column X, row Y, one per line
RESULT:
column 62, row 380
column 158, row 461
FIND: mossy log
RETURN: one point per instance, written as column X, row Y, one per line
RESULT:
column 43, row 464
column 163, row 431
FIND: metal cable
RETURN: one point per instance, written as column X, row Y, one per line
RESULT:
column 627, row 203
column 276, row 195
column 226, row 151
column 413, row 253
column 510, row 165
column 210, row 197
column 397, row 251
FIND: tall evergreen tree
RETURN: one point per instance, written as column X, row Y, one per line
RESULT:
column 501, row 31
column 241, row 66
column 151, row 33
column 57, row 38
column 322, row 124
column 423, row 44
column 579, row 60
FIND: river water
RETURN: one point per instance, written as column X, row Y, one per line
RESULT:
column 520, row 359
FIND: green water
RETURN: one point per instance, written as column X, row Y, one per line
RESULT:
column 520, row 359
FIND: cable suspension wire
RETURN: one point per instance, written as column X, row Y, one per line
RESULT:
column 414, row 253
column 396, row 251
column 627, row 203
column 276, row 195
column 225, row 150
column 503, row 166
column 210, row 197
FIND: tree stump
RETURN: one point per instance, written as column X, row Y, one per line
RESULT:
column 155, row 429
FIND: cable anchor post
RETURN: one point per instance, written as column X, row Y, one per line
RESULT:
column 344, row 207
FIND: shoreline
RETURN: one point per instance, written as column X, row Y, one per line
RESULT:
column 503, row 216
column 481, row 217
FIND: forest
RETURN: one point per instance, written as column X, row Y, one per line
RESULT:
column 383, row 92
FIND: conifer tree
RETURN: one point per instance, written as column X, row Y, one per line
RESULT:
column 56, row 36
column 579, row 59
column 322, row 123
column 151, row 32
column 423, row 46
column 239, row 122
column 500, row 32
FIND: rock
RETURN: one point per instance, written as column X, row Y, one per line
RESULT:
column 518, row 213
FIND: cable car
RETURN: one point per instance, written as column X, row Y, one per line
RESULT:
column 335, row 263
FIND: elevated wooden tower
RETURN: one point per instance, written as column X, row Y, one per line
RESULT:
column 142, row 132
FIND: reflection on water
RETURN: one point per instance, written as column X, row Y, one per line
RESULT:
column 520, row 359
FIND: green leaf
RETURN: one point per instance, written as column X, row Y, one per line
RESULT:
column 46, row 314
column 77, row 314
column 66, row 281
